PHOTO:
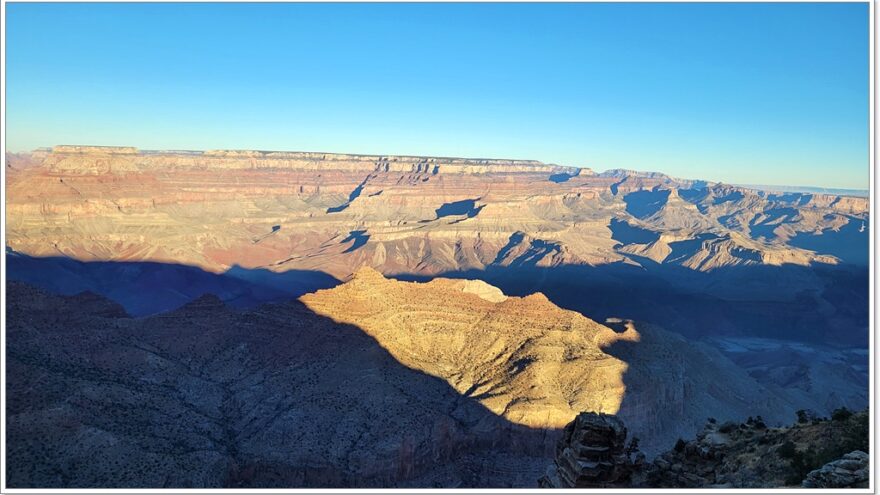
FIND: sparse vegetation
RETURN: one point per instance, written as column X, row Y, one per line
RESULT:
column 752, row 455
column 854, row 435
column 633, row 446
column 841, row 414
column 786, row 450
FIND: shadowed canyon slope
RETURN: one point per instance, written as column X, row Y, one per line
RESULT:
column 357, row 387
column 207, row 397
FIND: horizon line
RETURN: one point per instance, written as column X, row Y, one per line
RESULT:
column 755, row 186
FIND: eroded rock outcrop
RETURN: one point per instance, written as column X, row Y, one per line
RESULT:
column 523, row 358
column 536, row 364
column 697, row 463
column 204, row 209
column 753, row 455
column 592, row 454
column 625, row 236
column 850, row 471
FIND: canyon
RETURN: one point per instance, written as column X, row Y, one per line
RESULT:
column 321, row 319
column 335, row 213
column 692, row 256
column 350, row 386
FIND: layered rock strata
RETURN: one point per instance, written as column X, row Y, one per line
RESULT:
column 592, row 454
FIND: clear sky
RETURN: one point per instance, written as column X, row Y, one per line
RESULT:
column 743, row 93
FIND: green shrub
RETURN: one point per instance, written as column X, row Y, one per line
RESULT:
column 805, row 461
column 786, row 450
column 856, row 434
column 841, row 414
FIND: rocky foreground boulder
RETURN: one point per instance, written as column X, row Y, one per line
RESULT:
column 851, row 471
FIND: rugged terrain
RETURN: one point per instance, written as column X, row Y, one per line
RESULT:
column 335, row 213
column 692, row 256
column 207, row 397
column 354, row 386
column 545, row 291
column 536, row 364
column 593, row 452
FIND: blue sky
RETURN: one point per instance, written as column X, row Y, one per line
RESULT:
column 743, row 93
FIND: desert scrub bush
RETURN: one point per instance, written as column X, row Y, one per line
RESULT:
column 841, row 414
column 804, row 461
column 786, row 450
column 853, row 436
column 856, row 433
column 803, row 416
column 756, row 423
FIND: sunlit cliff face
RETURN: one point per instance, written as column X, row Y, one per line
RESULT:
column 336, row 213
column 522, row 358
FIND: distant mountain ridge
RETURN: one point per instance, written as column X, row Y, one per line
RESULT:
column 311, row 155
column 300, row 187
column 862, row 193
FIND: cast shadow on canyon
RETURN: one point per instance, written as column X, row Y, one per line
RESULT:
column 819, row 303
column 275, row 396
column 643, row 204
column 144, row 287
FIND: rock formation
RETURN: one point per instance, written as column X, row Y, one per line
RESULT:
column 207, row 208
column 535, row 364
column 523, row 358
column 850, row 471
column 373, row 383
column 723, row 250
column 553, row 290
column 592, row 454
